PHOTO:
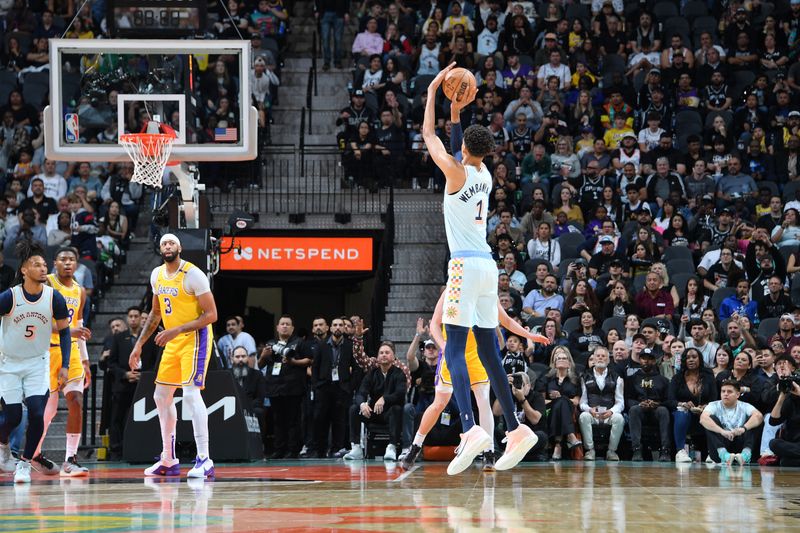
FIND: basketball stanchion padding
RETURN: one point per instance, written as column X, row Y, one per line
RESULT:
column 150, row 154
column 439, row 453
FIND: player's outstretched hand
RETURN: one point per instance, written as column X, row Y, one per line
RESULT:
column 440, row 78
column 87, row 374
column 541, row 339
column 457, row 105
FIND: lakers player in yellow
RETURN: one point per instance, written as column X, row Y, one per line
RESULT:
column 79, row 377
column 479, row 382
column 183, row 301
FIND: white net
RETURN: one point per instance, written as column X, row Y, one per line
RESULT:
column 149, row 153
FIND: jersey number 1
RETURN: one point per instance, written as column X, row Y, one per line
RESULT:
column 479, row 216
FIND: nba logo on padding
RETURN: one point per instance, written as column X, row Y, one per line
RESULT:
column 71, row 129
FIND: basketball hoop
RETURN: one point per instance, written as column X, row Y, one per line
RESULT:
column 150, row 153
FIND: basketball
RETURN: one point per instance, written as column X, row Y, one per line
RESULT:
column 458, row 85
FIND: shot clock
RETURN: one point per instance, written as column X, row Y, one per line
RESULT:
column 156, row 19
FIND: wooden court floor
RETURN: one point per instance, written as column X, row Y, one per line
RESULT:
column 369, row 496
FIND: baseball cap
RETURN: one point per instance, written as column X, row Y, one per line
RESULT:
column 512, row 313
column 606, row 239
column 795, row 113
column 638, row 337
column 615, row 263
column 787, row 316
column 587, row 129
column 725, row 210
column 629, row 135
column 548, row 36
column 647, row 352
column 655, row 71
column 580, row 262
column 708, row 198
column 741, row 10
column 429, row 343
column 358, row 92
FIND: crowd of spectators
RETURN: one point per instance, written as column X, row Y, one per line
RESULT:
column 645, row 185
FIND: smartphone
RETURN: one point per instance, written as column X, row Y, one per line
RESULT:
column 517, row 381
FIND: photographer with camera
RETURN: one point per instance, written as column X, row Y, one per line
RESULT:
column 784, row 417
column 781, row 387
column 529, row 408
column 284, row 367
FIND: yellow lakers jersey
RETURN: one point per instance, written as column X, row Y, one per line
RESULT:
column 177, row 306
column 73, row 297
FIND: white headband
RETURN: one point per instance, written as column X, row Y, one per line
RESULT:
column 169, row 237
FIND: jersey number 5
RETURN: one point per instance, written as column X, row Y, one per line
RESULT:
column 30, row 332
column 167, row 306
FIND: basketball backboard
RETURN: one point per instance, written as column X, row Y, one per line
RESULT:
column 101, row 89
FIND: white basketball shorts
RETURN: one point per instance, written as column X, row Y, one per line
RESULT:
column 471, row 294
column 24, row 377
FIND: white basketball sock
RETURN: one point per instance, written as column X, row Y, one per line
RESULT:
column 73, row 441
column 167, row 419
column 194, row 401
column 419, row 438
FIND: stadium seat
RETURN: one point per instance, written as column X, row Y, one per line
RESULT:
column 572, row 324
column 790, row 190
column 680, row 279
column 676, row 252
column 535, row 322
column 638, row 284
column 580, row 11
column 614, row 322
column 569, row 245
column 694, row 9
column 676, row 266
column 705, row 23
column 768, row 327
column 665, row 10
column 529, row 267
column 720, row 294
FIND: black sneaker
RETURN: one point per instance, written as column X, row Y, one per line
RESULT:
column 664, row 457
column 45, row 465
column 408, row 461
column 488, row 461
column 637, row 455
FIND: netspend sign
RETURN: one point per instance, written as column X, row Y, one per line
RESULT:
column 298, row 253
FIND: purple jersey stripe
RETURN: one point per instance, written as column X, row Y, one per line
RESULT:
column 202, row 355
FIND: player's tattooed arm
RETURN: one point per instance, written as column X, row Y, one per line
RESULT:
column 151, row 324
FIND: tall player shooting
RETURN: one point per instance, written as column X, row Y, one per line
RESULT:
column 79, row 377
column 182, row 299
column 471, row 294
column 30, row 309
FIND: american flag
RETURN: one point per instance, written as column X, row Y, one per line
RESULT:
column 225, row 134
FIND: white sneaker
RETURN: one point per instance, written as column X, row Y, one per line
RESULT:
column 403, row 453
column 164, row 468
column 355, row 453
column 203, row 468
column 71, row 468
column 7, row 461
column 682, row 457
column 473, row 442
column 519, row 443
column 22, row 473
column 391, row 453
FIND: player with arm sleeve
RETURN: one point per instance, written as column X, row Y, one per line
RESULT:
column 63, row 281
column 30, row 311
column 182, row 299
column 470, row 300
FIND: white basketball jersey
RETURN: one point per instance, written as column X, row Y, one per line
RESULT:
column 27, row 328
column 465, row 212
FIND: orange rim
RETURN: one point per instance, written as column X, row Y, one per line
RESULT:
column 151, row 143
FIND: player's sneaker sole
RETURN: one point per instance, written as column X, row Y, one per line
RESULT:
column 163, row 471
column 473, row 442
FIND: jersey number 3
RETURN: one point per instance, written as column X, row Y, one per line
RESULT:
column 167, row 306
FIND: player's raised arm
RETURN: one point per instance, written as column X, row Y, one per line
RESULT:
column 436, row 149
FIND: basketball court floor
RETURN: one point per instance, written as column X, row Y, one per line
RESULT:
column 371, row 496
